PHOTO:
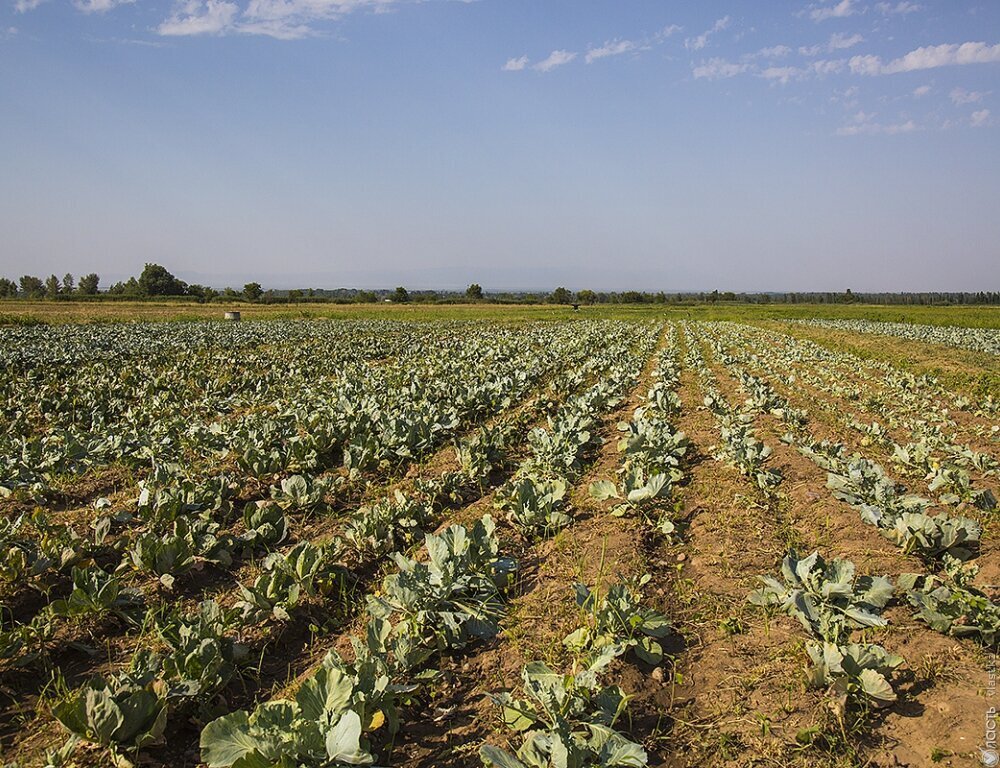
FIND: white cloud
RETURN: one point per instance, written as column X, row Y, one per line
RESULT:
column 980, row 119
column 200, row 17
column 838, row 11
column 281, row 19
column 960, row 96
column 699, row 42
column 717, row 69
column 921, row 91
column 774, row 52
column 668, row 31
column 863, row 123
column 828, row 66
column 23, row 6
column 902, row 8
column 98, row 6
column 279, row 29
column 555, row 59
column 516, row 65
column 846, row 98
column 610, row 48
column 866, row 65
column 929, row 57
column 781, row 75
column 839, row 42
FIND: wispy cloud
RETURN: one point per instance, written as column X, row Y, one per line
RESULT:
column 200, row 17
column 23, row 6
column 864, row 123
column 611, row 48
column 921, row 91
column 960, row 96
column 555, row 59
column 718, row 69
column 980, row 119
column 281, row 19
column 840, row 10
column 99, row 6
column 783, row 75
column 516, row 64
column 773, row 52
column 668, row 31
column 929, row 57
column 699, row 42
column 837, row 42
column 901, row 8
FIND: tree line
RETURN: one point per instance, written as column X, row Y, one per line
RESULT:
column 157, row 281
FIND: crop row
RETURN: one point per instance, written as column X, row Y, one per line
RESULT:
column 934, row 452
column 946, row 598
column 308, row 569
column 975, row 339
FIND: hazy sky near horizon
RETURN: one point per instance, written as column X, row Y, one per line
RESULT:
column 608, row 144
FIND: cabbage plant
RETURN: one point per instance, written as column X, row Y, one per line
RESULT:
column 567, row 720
column 452, row 598
column 828, row 599
column 537, row 508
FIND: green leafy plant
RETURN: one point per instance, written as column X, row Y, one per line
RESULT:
column 567, row 720
column 951, row 604
column 454, row 596
column 618, row 619
column 389, row 524
column 935, row 537
column 639, row 494
column 266, row 524
column 324, row 726
column 861, row 673
column 301, row 493
column 535, row 507
column 115, row 713
column 827, row 598
column 306, row 570
column 97, row 593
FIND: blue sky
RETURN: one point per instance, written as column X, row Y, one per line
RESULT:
column 516, row 143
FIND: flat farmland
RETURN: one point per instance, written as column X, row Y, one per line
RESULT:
column 500, row 536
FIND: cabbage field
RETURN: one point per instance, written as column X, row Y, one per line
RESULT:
column 593, row 542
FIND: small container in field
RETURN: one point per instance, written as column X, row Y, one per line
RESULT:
column 234, row 316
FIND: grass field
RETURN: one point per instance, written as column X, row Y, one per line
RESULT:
column 12, row 311
column 348, row 542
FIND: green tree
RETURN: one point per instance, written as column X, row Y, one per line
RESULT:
column 294, row 295
column 203, row 293
column 88, row 284
column 586, row 296
column 52, row 287
column 561, row 296
column 68, row 284
column 253, row 291
column 32, row 287
column 8, row 288
column 474, row 292
column 155, row 280
column 401, row 296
